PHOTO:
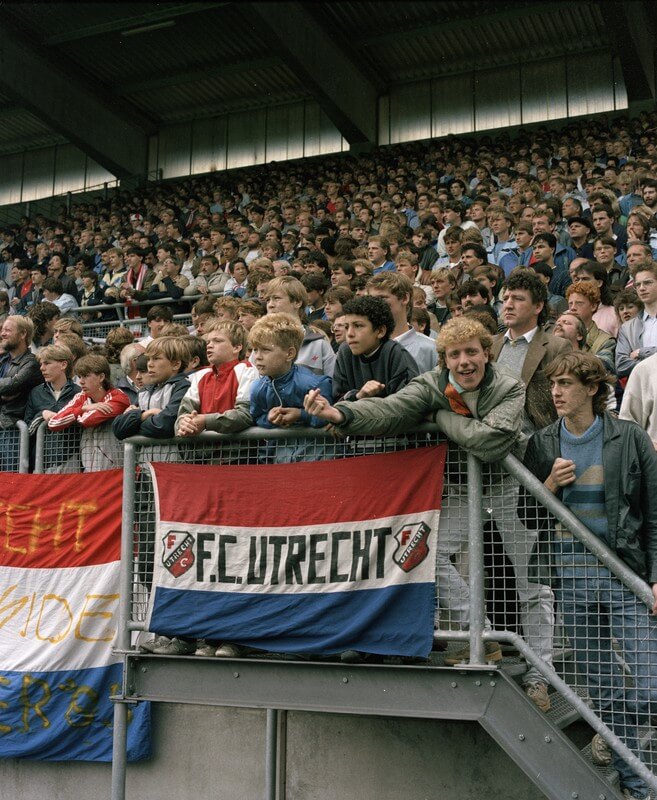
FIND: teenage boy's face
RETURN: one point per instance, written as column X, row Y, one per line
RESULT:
column 280, row 302
column 570, row 395
column 247, row 319
column 362, row 337
column 52, row 370
column 467, row 361
column 155, row 327
column 219, row 348
column 160, row 369
column 397, row 306
column 272, row 360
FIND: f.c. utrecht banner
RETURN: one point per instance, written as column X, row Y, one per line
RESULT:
column 313, row 557
column 60, row 543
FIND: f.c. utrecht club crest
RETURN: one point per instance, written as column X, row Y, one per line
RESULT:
column 178, row 552
column 412, row 546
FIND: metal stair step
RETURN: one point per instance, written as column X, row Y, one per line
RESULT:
column 609, row 774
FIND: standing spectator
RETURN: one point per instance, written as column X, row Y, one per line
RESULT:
column 637, row 339
column 397, row 291
column 19, row 374
column 605, row 471
column 93, row 408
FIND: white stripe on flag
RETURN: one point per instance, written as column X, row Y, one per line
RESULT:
column 344, row 556
column 43, row 612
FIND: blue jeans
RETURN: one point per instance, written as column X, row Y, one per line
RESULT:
column 614, row 639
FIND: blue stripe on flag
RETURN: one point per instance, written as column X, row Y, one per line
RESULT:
column 396, row 620
column 67, row 715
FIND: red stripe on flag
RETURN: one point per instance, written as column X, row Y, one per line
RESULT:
column 307, row 493
column 51, row 521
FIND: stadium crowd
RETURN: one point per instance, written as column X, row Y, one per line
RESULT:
column 446, row 279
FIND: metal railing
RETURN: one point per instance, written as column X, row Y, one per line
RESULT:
column 526, row 575
column 14, row 448
column 488, row 588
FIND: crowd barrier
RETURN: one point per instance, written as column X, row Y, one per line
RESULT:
column 537, row 581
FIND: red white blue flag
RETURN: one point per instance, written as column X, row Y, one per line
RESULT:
column 60, row 549
column 313, row 557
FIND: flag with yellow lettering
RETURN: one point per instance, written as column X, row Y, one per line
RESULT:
column 313, row 557
column 59, row 592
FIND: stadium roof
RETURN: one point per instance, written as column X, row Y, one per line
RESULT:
column 106, row 76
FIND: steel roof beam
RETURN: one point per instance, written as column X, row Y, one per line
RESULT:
column 117, row 142
column 632, row 32
column 119, row 23
column 348, row 98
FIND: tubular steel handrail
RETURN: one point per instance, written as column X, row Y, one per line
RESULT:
column 477, row 634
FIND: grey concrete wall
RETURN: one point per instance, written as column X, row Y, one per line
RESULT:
column 203, row 753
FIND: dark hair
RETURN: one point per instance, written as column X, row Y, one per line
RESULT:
column 599, row 273
column 376, row 310
column 478, row 249
column 589, row 370
column 527, row 281
column 314, row 282
column 159, row 312
column 471, row 288
column 549, row 238
column 628, row 297
column 53, row 285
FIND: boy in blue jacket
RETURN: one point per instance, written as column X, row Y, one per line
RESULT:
column 277, row 395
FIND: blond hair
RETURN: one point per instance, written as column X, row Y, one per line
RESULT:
column 281, row 330
column 235, row 333
column 460, row 329
column 57, row 352
column 290, row 286
column 171, row 347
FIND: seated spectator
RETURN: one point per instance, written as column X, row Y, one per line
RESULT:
column 4, row 306
column 74, row 343
column 421, row 321
column 556, row 303
column 637, row 339
column 227, row 308
column 56, row 365
column 210, row 279
column 44, row 316
column 249, row 312
column 167, row 281
column 627, row 305
column 236, row 285
column 19, row 374
column 157, row 409
column 53, row 292
column 569, row 326
column 227, row 382
column 315, row 286
column 116, row 339
column 92, row 408
column 370, row 364
column 544, row 246
column 407, row 264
